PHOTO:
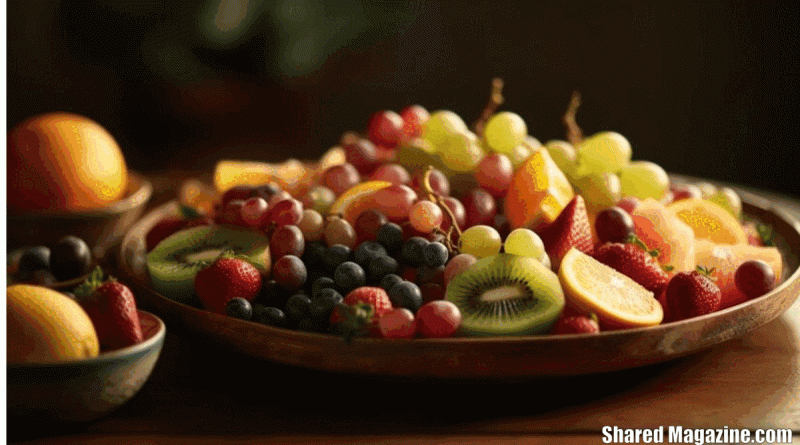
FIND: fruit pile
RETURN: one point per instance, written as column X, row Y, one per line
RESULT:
column 70, row 258
column 425, row 227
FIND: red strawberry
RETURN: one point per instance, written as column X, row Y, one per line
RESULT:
column 112, row 308
column 633, row 259
column 690, row 294
column 575, row 324
column 359, row 313
column 570, row 229
column 374, row 296
column 226, row 278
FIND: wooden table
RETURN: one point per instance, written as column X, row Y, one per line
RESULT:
column 199, row 394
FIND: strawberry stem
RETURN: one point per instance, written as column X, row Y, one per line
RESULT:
column 635, row 240
column 93, row 281
column 355, row 321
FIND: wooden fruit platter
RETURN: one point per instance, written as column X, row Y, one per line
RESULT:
column 476, row 358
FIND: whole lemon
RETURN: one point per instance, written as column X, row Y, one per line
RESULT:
column 63, row 161
column 46, row 326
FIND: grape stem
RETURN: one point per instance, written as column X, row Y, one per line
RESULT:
column 495, row 100
column 574, row 132
column 437, row 198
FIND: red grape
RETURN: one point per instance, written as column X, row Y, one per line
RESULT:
column 394, row 201
column 437, row 180
column 754, row 278
column 368, row 224
column 340, row 178
column 628, row 204
column 289, row 272
column 237, row 193
column 494, row 174
column 431, row 292
column 613, row 225
column 458, row 211
column 253, row 211
column 480, row 206
column 394, row 173
column 438, row 319
column 287, row 240
column 288, row 211
column 397, row 323
column 232, row 213
column 339, row 231
column 385, row 128
column 425, row 216
column 458, row 264
column 361, row 155
column 414, row 117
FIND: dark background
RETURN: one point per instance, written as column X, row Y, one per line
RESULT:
column 705, row 88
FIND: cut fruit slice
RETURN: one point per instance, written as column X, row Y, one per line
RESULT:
column 726, row 258
column 351, row 203
column 288, row 174
column 538, row 192
column 506, row 294
column 174, row 263
column 709, row 220
column 661, row 230
column 619, row 302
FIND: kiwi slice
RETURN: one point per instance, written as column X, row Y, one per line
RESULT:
column 175, row 261
column 507, row 294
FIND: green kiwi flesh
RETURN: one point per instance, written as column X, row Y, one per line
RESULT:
column 506, row 294
column 174, row 263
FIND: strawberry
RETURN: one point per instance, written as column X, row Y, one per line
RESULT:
column 690, row 294
column 112, row 308
column 374, row 296
column 358, row 314
column 632, row 258
column 575, row 324
column 570, row 229
column 226, row 278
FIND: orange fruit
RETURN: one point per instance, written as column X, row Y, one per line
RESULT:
column 538, row 192
column 353, row 202
column 709, row 220
column 46, row 326
column 660, row 229
column 63, row 161
column 288, row 175
column 726, row 258
column 619, row 302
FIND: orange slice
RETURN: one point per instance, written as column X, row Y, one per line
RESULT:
column 619, row 302
column 351, row 203
column 288, row 174
column 709, row 220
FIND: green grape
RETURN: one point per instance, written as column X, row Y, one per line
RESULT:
column 707, row 189
column 599, row 190
column 441, row 125
column 603, row 152
column 525, row 242
column 644, row 179
column 519, row 155
column 504, row 131
column 480, row 241
column 461, row 152
column 565, row 157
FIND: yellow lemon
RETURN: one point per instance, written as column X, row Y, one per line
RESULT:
column 709, row 220
column 63, row 161
column 46, row 326
column 618, row 301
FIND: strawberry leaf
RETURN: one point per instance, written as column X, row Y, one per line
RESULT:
column 93, row 281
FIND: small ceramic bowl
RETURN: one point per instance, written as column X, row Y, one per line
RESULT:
column 83, row 390
column 101, row 229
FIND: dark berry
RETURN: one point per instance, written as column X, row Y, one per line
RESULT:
column 348, row 276
column 322, row 307
column 313, row 254
column 407, row 295
column 239, row 308
column 435, row 254
column 380, row 266
column 297, row 308
column 269, row 315
column 390, row 235
column 334, row 256
column 320, row 284
column 411, row 252
column 427, row 274
column 70, row 258
column 367, row 251
column 34, row 258
column 390, row 280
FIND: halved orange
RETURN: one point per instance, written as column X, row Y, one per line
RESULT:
column 618, row 301
column 709, row 220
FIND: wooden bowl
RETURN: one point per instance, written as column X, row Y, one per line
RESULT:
column 476, row 358
column 101, row 229
column 83, row 390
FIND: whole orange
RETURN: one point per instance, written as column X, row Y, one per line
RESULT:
column 63, row 161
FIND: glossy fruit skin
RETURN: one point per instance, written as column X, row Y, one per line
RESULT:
column 47, row 164
column 438, row 319
column 754, row 278
column 112, row 308
column 575, row 324
column 635, row 262
column 397, row 323
column 225, row 279
column 570, row 229
column 614, row 225
column 70, row 258
column 289, row 272
column 406, row 295
column 239, row 308
column 375, row 296
column 691, row 294
column 32, row 259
